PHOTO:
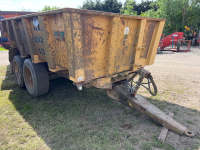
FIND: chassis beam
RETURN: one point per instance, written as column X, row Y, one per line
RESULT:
column 118, row 93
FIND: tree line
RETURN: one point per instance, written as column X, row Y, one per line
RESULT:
column 130, row 6
column 178, row 13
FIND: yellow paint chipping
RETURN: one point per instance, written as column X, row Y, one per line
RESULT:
column 93, row 46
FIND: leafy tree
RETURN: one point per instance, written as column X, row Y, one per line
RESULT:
column 193, row 13
column 179, row 13
column 47, row 8
column 90, row 5
column 133, row 8
column 143, row 7
column 112, row 6
column 128, row 8
column 107, row 5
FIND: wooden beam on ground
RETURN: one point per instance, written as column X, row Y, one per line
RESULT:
column 164, row 131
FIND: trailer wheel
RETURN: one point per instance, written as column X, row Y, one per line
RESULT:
column 178, row 45
column 17, row 66
column 36, row 78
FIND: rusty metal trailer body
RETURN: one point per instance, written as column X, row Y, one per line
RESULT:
column 90, row 48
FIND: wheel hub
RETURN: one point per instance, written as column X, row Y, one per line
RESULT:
column 28, row 78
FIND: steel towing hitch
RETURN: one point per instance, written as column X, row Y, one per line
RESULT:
column 130, row 99
column 132, row 88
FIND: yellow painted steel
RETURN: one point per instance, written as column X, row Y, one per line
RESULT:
column 91, row 46
column 155, row 41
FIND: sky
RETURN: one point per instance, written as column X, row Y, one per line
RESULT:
column 36, row 5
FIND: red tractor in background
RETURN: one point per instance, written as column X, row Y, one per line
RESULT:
column 175, row 40
column 171, row 39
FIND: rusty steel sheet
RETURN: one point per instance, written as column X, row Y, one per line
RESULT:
column 5, row 14
column 92, row 46
column 120, row 94
column 9, row 14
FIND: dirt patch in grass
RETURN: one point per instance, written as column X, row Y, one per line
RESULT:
column 4, row 58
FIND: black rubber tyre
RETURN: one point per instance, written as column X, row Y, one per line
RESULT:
column 11, row 67
column 158, row 50
column 17, row 66
column 36, row 78
column 178, row 45
column 193, row 41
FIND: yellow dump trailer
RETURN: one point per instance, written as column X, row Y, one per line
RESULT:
column 90, row 48
column 86, row 46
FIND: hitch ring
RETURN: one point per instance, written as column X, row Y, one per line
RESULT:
column 189, row 133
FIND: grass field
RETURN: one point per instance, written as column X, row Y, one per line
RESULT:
column 3, row 49
column 66, row 118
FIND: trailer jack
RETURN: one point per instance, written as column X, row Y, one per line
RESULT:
column 119, row 93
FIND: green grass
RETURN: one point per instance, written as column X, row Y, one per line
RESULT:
column 190, row 122
column 160, row 144
column 66, row 118
column 3, row 49
column 146, row 146
column 196, row 146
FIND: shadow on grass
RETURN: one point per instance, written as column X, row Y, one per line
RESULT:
column 66, row 118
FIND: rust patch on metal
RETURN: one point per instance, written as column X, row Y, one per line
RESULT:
column 59, row 35
column 87, row 25
column 134, row 45
column 89, row 74
column 125, row 46
column 117, row 68
column 96, row 28
column 25, row 43
column 148, row 33
column 60, row 39
column 123, row 22
column 88, row 43
column 104, row 83
column 54, row 27
column 139, row 107
column 103, row 41
column 38, row 40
